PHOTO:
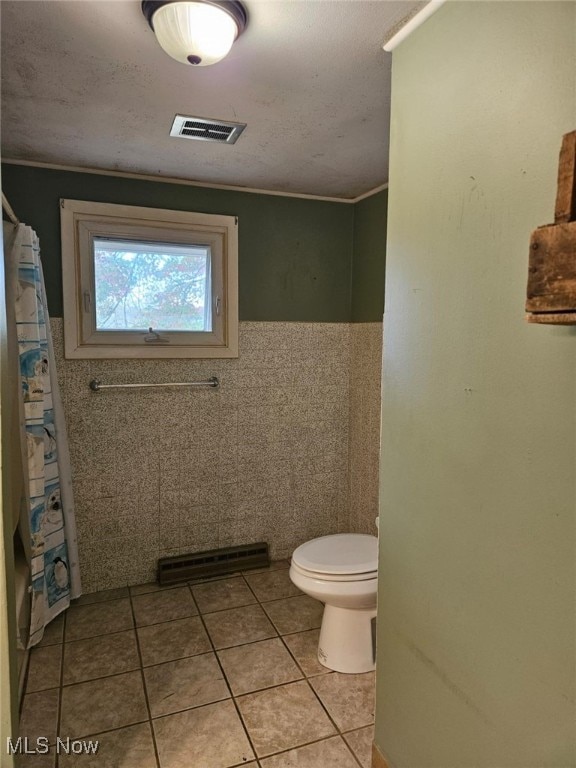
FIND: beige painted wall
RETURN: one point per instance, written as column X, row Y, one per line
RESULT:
column 476, row 604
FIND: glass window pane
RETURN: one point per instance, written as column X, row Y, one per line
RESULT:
column 141, row 285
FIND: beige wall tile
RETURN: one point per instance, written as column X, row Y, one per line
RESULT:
column 160, row 471
column 365, row 367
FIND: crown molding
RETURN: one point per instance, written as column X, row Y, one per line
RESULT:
column 370, row 193
column 409, row 23
column 189, row 183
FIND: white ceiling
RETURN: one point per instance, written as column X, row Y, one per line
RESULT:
column 84, row 83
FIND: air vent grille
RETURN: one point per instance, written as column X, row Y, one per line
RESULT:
column 204, row 129
column 213, row 562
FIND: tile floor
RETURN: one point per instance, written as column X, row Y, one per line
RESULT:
column 207, row 675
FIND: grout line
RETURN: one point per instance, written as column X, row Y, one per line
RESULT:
column 232, row 608
column 354, row 755
column 100, row 601
column 340, row 730
column 93, row 637
column 100, row 677
column 281, row 685
column 266, row 601
column 192, row 708
column 81, row 606
column 25, row 685
column 249, row 642
column 61, row 686
column 233, row 698
column 191, row 583
column 113, row 730
column 252, row 591
column 306, row 744
column 358, row 727
column 174, row 661
column 324, row 707
column 300, row 667
column 144, row 685
column 269, row 687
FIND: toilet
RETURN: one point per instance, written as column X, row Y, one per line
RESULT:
column 342, row 572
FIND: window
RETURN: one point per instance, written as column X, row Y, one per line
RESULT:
column 144, row 282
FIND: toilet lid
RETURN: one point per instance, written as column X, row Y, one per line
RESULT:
column 342, row 553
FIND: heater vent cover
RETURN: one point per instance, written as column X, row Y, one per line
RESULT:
column 213, row 562
column 203, row 129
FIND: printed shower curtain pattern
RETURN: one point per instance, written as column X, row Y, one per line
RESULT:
column 49, row 525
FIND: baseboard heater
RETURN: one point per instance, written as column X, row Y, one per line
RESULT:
column 213, row 562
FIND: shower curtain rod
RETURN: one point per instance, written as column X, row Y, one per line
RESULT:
column 9, row 210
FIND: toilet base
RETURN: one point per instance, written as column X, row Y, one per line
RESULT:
column 347, row 640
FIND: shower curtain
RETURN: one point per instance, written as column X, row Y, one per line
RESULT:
column 47, row 522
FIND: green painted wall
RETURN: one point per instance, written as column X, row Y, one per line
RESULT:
column 476, row 646
column 369, row 263
column 295, row 255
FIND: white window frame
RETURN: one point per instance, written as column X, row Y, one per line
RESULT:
column 82, row 221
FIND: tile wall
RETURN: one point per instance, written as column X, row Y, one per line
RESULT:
column 364, row 435
column 285, row 450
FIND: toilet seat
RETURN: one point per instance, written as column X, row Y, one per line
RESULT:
column 340, row 557
column 336, row 577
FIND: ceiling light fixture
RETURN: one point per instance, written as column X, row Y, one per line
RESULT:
column 196, row 32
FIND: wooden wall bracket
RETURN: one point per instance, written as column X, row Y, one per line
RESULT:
column 551, row 293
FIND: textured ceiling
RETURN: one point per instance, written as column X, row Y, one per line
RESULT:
column 84, row 83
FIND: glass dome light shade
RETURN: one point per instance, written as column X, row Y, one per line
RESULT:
column 194, row 33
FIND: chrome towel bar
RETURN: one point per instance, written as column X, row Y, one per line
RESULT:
column 213, row 382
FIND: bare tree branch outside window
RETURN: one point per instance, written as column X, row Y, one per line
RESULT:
column 137, row 290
